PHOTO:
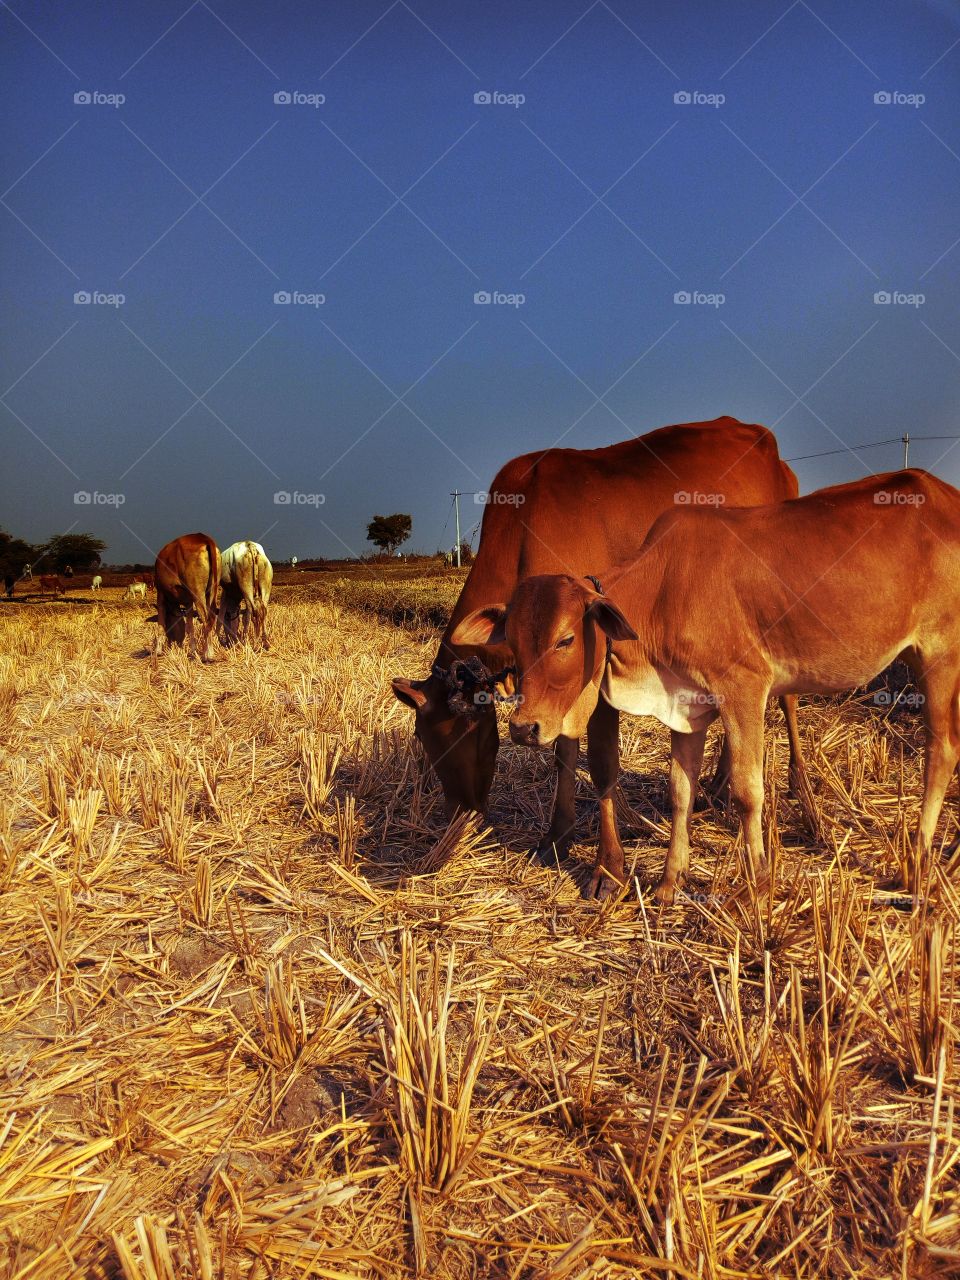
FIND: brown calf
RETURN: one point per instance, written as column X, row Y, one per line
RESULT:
column 814, row 595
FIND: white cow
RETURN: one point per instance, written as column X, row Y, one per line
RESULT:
column 136, row 591
column 97, row 583
column 246, row 576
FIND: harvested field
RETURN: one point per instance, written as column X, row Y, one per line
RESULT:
column 263, row 1015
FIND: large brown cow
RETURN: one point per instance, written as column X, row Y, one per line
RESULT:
column 577, row 511
column 51, row 582
column 816, row 595
column 188, row 575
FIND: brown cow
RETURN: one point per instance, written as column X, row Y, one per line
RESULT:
column 578, row 511
column 51, row 582
column 816, row 595
column 188, row 576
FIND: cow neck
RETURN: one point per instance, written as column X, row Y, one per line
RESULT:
column 636, row 590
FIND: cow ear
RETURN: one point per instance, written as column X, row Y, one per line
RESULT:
column 411, row 693
column 482, row 627
column 610, row 620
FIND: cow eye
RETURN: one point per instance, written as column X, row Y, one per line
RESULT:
column 565, row 643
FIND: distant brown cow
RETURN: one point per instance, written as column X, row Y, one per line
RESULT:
column 148, row 579
column 50, row 582
column 188, row 576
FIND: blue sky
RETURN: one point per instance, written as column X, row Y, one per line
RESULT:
column 782, row 186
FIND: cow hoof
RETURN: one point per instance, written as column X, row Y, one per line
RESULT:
column 664, row 894
column 603, row 885
column 550, row 852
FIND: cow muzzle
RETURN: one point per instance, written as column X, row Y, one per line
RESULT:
column 526, row 733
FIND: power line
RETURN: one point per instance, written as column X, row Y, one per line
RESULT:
column 905, row 440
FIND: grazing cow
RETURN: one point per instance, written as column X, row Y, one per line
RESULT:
column 579, row 511
column 97, row 582
column 815, row 595
column 246, row 576
column 148, row 579
column 188, row 575
column 135, row 591
column 50, row 582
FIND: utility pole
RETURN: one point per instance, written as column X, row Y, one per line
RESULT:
column 456, row 495
column 906, row 451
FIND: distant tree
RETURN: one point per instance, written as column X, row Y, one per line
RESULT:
column 388, row 532
column 81, row 550
column 14, row 554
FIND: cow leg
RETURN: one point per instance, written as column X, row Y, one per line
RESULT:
column 603, row 757
column 556, row 842
column 743, row 723
column 686, row 761
column 942, row 719
column 798, row 778
column 207, row 619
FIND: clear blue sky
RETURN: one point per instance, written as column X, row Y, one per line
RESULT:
column 797, row 198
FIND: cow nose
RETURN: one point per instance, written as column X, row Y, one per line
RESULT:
column 525, row 734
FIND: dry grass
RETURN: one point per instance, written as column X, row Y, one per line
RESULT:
column 262, row 1015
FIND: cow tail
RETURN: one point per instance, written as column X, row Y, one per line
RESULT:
column 212, row 575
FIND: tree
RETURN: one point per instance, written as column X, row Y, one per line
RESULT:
column 388, row 532
column 14, row 554
column 79, row 550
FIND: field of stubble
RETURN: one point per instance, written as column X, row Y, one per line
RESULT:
column 262, row 1015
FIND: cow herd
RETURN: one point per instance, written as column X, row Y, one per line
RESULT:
column 678, row 575
column 229, row 590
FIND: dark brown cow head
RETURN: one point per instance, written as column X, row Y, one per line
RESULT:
column 556, row 626
column 456, row 725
